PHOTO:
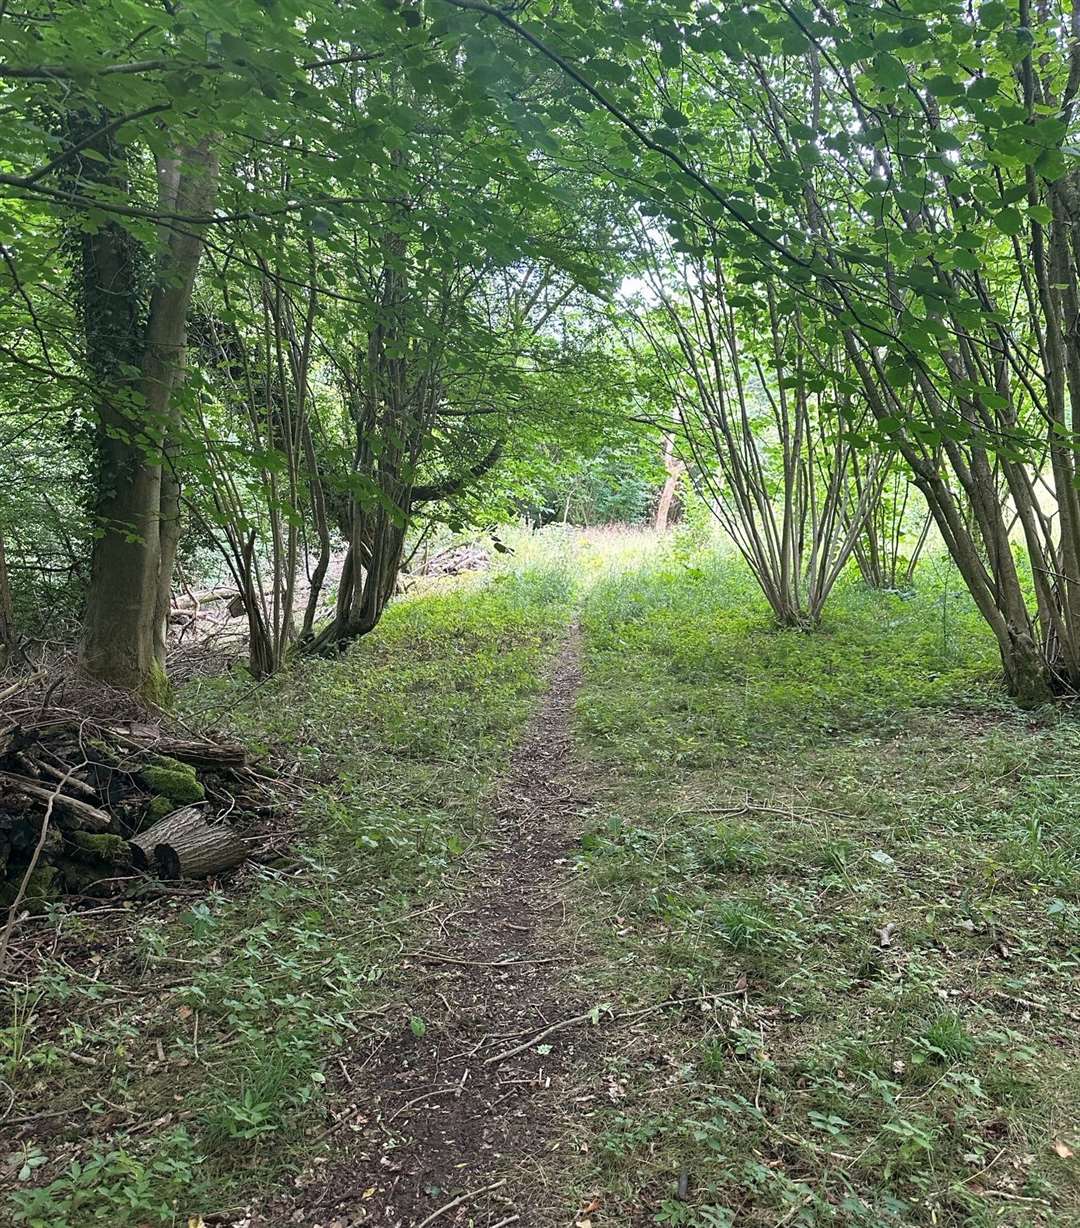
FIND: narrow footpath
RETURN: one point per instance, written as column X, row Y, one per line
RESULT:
column 451, row 1112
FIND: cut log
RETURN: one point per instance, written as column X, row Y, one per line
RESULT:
column 88, row 816
column 198, row 751
column 187, row 844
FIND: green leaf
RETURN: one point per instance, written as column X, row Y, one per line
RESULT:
column 992, row 14
column 983, row 88
column 889, row 72
column 1009, row 221
column 945, row 140
column 944, row 87
column 962, row 258
column 1051, row 165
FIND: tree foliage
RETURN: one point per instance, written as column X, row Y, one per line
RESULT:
column 389, row 230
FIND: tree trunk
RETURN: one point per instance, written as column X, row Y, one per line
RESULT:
column 1025, row 669
column 7, row 610
column 322, row 528
column 169, row 531
column 674, row 468
column 131, row 563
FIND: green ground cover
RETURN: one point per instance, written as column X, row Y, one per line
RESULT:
column 859, row 855
column 856, row 837
column 192, row 1048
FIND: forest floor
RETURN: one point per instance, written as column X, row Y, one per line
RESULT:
column 612, row 905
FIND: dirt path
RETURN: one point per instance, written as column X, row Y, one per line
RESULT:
column 451, row 1111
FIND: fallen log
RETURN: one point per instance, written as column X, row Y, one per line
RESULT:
column 89, row 816
column 192, row 600
column 186, row 844
column 199, row 752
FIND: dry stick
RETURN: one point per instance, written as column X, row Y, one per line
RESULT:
column 458, row 1201
column 568, row 1023
column 745, row 808
column 555, row 1027
column 13, row 911
column 19, row 1121
column 78, row 1058
column 481, row 963
column 439, row 1091
column 19, row 684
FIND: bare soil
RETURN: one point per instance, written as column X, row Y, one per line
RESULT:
column 441, row 1108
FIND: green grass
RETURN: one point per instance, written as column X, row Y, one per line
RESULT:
column 848, row 845
column 856, row 840
column 211, row 1022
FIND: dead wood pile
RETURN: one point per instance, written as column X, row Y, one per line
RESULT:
column 87, row 804
column 454, row 561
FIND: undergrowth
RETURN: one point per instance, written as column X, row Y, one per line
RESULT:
column 872, row 860
column 175, row 1065
column 853, row 862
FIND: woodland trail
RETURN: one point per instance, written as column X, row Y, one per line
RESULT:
column 441, row 1119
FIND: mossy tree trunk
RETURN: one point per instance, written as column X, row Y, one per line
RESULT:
column 137, row 500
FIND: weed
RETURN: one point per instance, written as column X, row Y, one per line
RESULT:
column 835, row 855
column 945, row 1041
column 123, row 1188
column 733, row 847
column 745, row 925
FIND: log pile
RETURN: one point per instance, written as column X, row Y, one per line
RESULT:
column 455, row 560
column 89, row 805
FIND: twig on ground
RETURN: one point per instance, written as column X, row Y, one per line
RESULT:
column 29, row 1117
column 535, row 1040
column 438, row 1091
column 456, row 1202
column 480, row 963
column 743, row 808
column 1042, row 1202
column 616, row 1017
column 78, row 1058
